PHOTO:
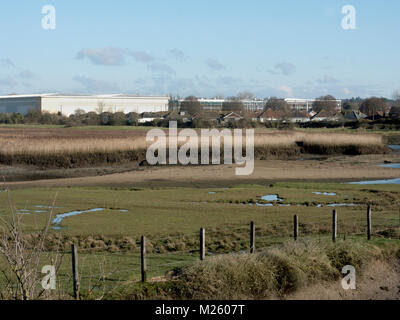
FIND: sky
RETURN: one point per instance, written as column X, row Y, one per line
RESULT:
column 207, row 48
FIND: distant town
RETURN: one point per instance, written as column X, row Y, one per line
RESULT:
column 241, row 110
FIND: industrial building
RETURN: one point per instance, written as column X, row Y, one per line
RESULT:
column 68, row 104
column 216, row 104
column 307, row 104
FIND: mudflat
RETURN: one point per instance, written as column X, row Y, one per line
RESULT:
column 313, row 168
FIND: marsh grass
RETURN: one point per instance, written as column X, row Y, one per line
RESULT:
column 52, row 149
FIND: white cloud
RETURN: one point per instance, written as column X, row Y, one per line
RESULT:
column 284, row 68
column 161, row 67
column 7, row 63
column 214, row 64
column 141, row 56
column 108, row 56
column 326, row 79
column 96, row 86
column 288, row 91
column 26, row 74
column 177, row 54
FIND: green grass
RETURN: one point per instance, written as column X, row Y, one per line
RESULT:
column 171, row 219
column 169, row 212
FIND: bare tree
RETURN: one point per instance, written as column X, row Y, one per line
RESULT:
column 373, row 106
column 233, row 104
column 23, row 255
column 327, row 103
column 245, row 95
column 280, row 106
column 191, row 105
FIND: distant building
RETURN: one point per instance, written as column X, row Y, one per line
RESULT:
column 217, row 104
column 300, row 116
column 307, row 104
column 68, row 104
column 230, row 117
column 268, row 115
column 252, row 104
column 324, row 115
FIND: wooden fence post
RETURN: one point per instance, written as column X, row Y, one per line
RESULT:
column 252, row 237
column 334, row 226
column 369, row 222
column 143, row 258
column 202, row 243
column 296, row 227
column 75, row 274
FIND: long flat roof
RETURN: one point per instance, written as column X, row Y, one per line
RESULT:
column 62, row 95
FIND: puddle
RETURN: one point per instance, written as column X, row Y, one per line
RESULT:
column 58, row 228
column 391, row 165
column 212, row 193
column 325, row 193
column 60, row 217
column 270, row 197
column 264, row 205
column 23, row 211
column 394, row 147
column 387, row 181
column 123, row 210
column 341, row 205
column 46, row 207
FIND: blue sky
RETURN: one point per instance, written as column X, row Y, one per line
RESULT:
column 285, row 48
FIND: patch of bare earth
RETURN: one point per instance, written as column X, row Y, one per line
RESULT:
column 341, row 168
column 379, row 281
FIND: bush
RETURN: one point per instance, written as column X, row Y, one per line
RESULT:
column 118, row 119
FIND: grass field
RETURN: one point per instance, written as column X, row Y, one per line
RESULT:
column 226, row 212
column 108, row 241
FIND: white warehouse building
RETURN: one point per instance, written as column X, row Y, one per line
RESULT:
column 68, row 104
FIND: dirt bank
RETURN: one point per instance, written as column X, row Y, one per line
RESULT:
column 342, row 168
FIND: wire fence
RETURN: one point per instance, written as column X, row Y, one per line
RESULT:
column 97, row 272
column 152, row 264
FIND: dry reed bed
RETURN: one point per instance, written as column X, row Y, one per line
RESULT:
column 49, row 148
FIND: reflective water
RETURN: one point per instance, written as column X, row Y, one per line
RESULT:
column 325, row 193
column 394, row 147
column 264, row 204
column 391, row 165
column 386, row 181
column 270, row 197
column 60, row 217
column 341, row 205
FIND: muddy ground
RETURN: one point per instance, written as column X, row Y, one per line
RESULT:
column 312, row 168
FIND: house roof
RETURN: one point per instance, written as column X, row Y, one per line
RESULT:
column 268, row 114
column 301, row 114
column 232, row 115
column 324, row 114
column 354, row 115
